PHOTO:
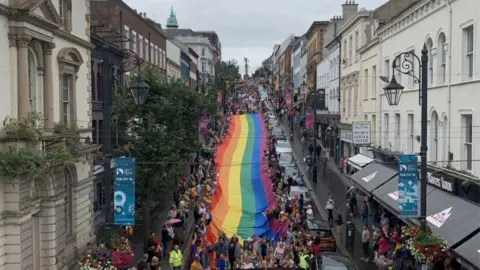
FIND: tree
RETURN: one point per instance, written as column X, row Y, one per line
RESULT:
column 226, row 72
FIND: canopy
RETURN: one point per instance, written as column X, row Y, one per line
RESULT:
column 372, row 176
column 359, row 161
column 470, row 250
column 387, row 194
column 451, row 217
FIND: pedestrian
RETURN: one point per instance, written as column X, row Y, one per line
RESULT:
column 176, row 258
column 366, row 243
column 330, row 206
column 143, row 264
column 365, row 212
column 373, row 212
column 398, row 263
column 339, row 225
column 310, row 149
column 383, row 245
column 352, row 203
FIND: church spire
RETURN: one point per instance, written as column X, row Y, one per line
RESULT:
column 172, row 20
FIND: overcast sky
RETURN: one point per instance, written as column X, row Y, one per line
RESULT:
column 247, row 28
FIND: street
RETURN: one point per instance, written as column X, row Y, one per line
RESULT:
column 331, row 182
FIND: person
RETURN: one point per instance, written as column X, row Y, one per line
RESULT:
column 383, row 245
column 196, row 265
column 310, row 149
column 304, row 257
column 222, row 263
column 155, row 263
column 366, row 243
column 330, row 206
column 382, row 263
column 365, row 212
column 352, row 203
column 398, row 263
column 339, row 225
column 176, row 258
column 143, row 264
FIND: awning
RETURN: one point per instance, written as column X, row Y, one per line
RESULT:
column 372, row 176
column 451, row 217
column 470, row 250
column 387, row 194
column 359, row 161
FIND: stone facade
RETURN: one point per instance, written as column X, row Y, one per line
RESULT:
column 46, row 222
column 315, row 45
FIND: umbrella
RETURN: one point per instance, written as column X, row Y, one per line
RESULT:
column 172, row 221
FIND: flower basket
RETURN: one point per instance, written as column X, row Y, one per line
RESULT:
column 119, row 256
column 424, row 246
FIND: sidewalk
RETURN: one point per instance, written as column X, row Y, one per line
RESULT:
column 330, row 182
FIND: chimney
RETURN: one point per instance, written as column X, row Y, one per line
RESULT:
column 349, row 9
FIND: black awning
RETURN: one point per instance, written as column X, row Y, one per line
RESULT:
column 452, row 217
column 470, row 250
column 387, row 195
column 372, row 176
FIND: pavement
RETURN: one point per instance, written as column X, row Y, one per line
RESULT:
column 330, row 182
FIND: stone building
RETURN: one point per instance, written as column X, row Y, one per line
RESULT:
column 315, row 45
column 46, row 220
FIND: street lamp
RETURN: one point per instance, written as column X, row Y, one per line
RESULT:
column 393, row 92
column 139, row 90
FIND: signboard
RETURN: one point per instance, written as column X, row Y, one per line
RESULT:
column 361, row 133
column 124, row 191
column 309, row 119
column 439, row 182
column 407, row 186
column 346, row 135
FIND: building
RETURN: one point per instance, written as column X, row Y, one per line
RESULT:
column 173, row 58
column 328, row 78
column 141, row 35
column 193, row 68
column 315, row 44
column 267, row 64
column 296, row 68
column 46, row 220
column 275, row 67
column 185, row 66
column 205, row 44
column 303, row 63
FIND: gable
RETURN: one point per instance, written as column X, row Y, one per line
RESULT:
column 43, row 9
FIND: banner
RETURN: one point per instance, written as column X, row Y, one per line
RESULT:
column 124, row 191
column 309, row 119
column 407, row 186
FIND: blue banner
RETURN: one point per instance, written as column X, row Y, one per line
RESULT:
column 124, row 196
column 407, row 186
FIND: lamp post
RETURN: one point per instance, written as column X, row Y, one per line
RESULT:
column 405, row 63
column 315, row 129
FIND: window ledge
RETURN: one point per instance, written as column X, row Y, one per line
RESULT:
column 365, row 99
column 373, row 98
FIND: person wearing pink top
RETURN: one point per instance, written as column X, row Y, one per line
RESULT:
column 383, row 245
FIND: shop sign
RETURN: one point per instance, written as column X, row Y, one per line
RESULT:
column 439, row 182
column 346, row 135
column 439, row 218
column 361, row 133
column 325, row 112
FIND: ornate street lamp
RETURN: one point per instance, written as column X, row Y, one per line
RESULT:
column 139, row 90
column 393, row 92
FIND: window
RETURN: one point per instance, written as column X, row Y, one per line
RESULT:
column 411, row 133
column 68, row 202
column 345, row 51
column 99, row 197
column 203, row 51
column 99, row 85
column 365, row 83
column 373, row 125
column 140, row 47
column 67, row 81
column 203, row 66
column 365, row 117
column 134, row 42
column 152, row 54
column 397, row 132
column 412, row 72
column 442, row 46
column 387, row 68
column 434, row 135
column 385, row 134
column 127, row 37
column 61, row 8
column 374, row 81
column 350, row 50
column 430, row 61
column 100, row 128
column 65, row 13
column 468, row 39
column 357, row 45
column 146, row 45
column 32, row 82
column 94, row 132
column 467, row 125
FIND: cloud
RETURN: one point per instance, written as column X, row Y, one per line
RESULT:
column 247, row 28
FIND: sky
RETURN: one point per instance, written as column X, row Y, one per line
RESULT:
column 247, row 28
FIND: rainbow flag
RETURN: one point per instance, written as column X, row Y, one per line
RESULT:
column 244, row 190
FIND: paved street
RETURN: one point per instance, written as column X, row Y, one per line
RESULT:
column 331, row 182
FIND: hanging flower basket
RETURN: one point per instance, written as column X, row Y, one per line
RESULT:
column 120, row 256
column 424, row 246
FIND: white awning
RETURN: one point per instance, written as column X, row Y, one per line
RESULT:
column 359, row 161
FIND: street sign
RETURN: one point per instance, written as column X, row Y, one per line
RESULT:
column 361, row 133
column 407, row 186
column 124, row 191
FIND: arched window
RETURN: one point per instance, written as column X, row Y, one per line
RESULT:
column 434, row 135
column 442, row 63
column 430, row 61
column 444, row 139
column 32, row 81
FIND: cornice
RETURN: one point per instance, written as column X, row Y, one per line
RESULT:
column 352, row 21
column 74, row 39
column 369, row 44
column 410, row 16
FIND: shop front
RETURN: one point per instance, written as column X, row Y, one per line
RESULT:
column 328, row 122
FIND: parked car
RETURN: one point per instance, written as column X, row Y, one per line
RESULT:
column 321, row 229
column 334, row 261
column 286, row 160
column 280, row 137
column 283, row 150
column 297, row 190
column 283, row 144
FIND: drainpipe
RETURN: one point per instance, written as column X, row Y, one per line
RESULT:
column 449, row 78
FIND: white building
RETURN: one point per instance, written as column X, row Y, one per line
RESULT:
column 303, row 61
column 173, row 58
column 295, row 63
column 449, row 31
column 46, row 221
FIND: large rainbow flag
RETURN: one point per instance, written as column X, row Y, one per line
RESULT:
column 244, row 190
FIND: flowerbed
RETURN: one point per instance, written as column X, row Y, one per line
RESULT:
column 119, row 256
column 424, row 246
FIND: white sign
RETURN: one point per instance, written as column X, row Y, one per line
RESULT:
column 346, row 135
column 394, row 195
column 361, row 133
column 369, row 178
column 439, row 182
column 439, row 218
